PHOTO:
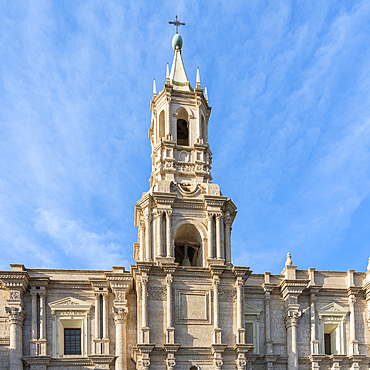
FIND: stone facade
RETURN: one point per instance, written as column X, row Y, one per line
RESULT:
column 183, row 305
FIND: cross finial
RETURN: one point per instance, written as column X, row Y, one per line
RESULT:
column 177, row 24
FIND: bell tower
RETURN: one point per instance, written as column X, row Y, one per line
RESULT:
column 184, row 217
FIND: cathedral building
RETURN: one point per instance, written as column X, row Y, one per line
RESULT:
column 183, row 305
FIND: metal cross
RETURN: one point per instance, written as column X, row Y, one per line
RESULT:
column 177, row 24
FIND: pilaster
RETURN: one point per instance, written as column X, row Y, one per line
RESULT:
column 290, row 290
column 120, row 282
column 16, row 281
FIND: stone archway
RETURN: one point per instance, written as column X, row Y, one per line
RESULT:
column 188, row 245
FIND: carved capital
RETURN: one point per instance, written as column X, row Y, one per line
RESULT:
column 170, row 363
column 241, row 362
column 291, row 318
column 218, row 215
column 119, row 315
column 169, row 279
column 210, row 216
column 147, row 217
column 239, row 282
column 168, row 213
column 15, row 315
column 144, row 279
column 351, row 300
column 216, row 281
column 145, row 363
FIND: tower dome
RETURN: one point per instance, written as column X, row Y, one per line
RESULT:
column 177, row 42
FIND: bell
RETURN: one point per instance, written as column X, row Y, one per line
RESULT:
column 186, row 262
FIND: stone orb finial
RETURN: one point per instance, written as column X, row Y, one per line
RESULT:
column 177, row 42
column 288, row 260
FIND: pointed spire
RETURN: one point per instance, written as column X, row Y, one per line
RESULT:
column 197, row 85
column 168, row 81
column 154, row 88
column 205, row 93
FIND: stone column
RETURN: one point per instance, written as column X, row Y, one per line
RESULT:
column 218, row 235
column 42, row 317
column 97, row 315
column 240, row 336
column 105, row 315
column 15, row 319
column 353, row 344
column 210, row 235
column 227, row 237
column 216, row 329
column 268, row 340
column 170, row 338
column 144, row 311
column 168, row 121
column 120, row 319
column 34, row 315
column 158, row 216
column 222, row 227
column 168, row 232
column 148, row 246
column 291, row 323
column 142, row 240
column 314, row 341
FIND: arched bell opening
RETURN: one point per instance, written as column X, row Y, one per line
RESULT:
column 182, row 127
column 188, row 246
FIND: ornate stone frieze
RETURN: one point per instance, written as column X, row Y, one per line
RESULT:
column 157, row 293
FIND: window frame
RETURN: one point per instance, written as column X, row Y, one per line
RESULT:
column 70, row 313
column 334, row 315
column 252, row 316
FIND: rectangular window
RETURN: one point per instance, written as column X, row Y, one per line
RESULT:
column 72, row 341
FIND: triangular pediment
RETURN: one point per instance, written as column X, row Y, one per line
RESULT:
column 250, row 309
column 68, row 303
column 333, row 309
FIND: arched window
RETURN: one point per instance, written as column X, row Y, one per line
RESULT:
column 188, row 246
column 182, row 132
column 182, row 127
column 161, row 128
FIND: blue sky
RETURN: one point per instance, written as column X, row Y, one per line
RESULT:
column 289, row 86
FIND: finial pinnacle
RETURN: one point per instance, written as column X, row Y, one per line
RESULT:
column 167, row 75
column 288, row 260
column 154, row 88
column 177, row 24
column 206, row 93
column 368, row 265
column 197, row 85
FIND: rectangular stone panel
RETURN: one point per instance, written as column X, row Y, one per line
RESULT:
column 193, row 307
